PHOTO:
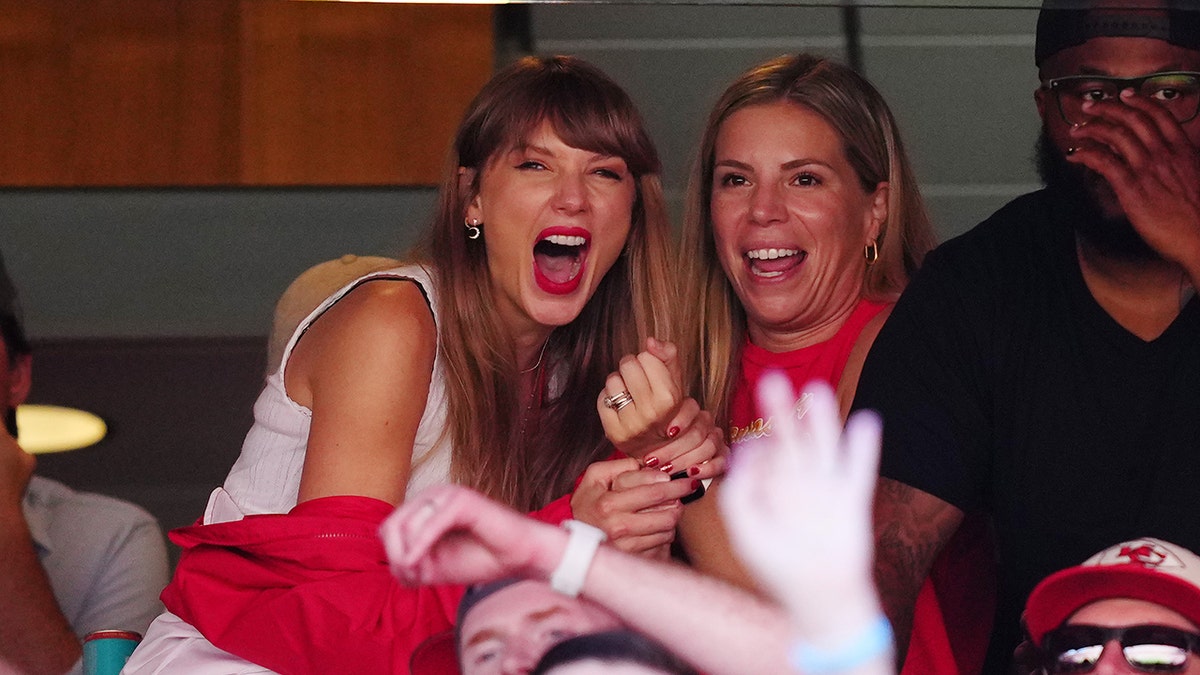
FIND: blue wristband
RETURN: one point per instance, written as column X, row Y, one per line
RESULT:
column 874, row 641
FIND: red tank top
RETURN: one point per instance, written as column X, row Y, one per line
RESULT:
column 952, row 618
column 823, row 361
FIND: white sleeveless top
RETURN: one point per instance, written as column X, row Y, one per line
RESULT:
column 266, row 477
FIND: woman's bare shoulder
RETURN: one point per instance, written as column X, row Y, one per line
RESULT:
column 386, row 323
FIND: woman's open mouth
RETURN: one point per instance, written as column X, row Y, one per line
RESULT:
column 768, row 263
column 558, row 259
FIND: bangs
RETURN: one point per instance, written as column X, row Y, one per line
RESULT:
column 585, row 109
column 606, row 132
column 582, row 124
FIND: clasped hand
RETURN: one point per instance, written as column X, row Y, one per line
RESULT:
column 660, row 426
column 665, row 435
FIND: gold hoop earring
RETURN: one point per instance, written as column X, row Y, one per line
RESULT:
column 871, row 252
column 474, row 229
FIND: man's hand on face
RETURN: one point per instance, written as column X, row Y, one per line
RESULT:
column 16, row 468
column 1153, row 168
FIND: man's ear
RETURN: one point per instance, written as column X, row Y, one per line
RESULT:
column 1039, row 97
column 20, row 380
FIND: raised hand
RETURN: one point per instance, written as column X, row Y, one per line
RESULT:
column 798, row 505
column 1153, row 167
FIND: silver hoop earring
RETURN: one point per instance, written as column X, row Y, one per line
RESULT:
column 474, row 231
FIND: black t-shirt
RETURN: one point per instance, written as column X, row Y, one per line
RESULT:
column 1005, row 388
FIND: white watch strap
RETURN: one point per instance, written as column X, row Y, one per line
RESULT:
column 577, row 558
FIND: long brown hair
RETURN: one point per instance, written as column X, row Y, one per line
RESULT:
column 491, row 453
column 716, row 324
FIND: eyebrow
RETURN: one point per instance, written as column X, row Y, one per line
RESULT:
column 786, row 166
column 546, row 613
column 1099, row 72
column 492, row 633
column 525, row 147
column 482, row 636
column 596, row 156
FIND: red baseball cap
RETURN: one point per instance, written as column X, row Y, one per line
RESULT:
column 437, row 655
column 1143, row 569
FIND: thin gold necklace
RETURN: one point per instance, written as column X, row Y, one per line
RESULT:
column 542, row 353
column 534, row 396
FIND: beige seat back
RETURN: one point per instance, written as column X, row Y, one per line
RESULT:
column 309, row 290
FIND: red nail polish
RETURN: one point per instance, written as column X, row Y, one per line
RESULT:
column 666, row 468
column 672, row 432
column 694, row 471
column 696, row 483
column 651, row 462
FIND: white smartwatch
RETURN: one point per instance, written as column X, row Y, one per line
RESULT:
column 577, row 558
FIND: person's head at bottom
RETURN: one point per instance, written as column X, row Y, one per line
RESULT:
column 504, row 627
column 615, row 652
column 1132, row 608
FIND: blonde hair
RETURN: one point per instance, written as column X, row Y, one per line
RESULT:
column 491, row 452
column 716, row 328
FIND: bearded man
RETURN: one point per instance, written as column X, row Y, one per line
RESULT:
column 1043, row 369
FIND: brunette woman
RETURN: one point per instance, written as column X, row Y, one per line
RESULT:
column 546, row 261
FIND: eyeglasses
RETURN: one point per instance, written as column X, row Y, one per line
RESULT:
column 1147, row 648
column 1177, row 91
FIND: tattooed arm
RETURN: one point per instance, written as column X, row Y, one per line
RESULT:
column 911, row 527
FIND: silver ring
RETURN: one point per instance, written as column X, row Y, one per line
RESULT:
column 619, row 401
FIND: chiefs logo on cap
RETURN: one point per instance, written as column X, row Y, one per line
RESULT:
column 1146, row 554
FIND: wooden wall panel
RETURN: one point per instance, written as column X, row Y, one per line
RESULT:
column 118, row 93
column 233, row 92
column 350, row 93
column 30, row 58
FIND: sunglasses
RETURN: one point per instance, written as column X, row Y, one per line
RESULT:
column 1146, row 648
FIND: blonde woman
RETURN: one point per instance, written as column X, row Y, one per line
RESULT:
column 803, row 225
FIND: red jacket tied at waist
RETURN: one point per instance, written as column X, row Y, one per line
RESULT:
column 309, row 591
